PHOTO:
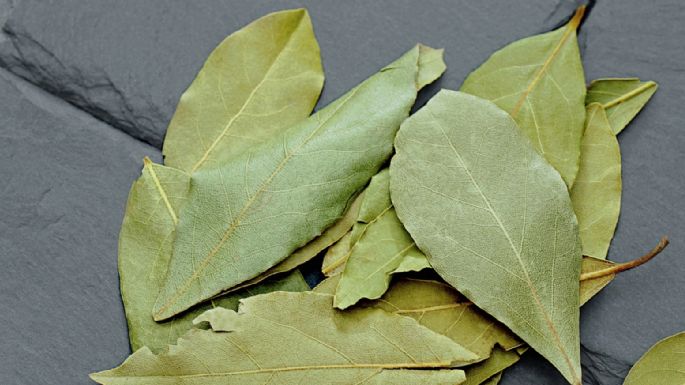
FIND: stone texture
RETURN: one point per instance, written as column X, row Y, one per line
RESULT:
column 127, row 62
column 65, row 178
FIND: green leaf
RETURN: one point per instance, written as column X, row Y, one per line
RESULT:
column 494, row 380
column 298, row 338
column 596, row 195
column 622, row 98
column 305, row 253
column 539, row 81
column 590, row 287
column 663, row 364
column 481, row 372
column 336, row 256
column 145, row 245
column 250, row 214
column 259, row 81
column 382, row 248
column 494, row 219
column 440, row 308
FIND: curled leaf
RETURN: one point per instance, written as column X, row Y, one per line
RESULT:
column 596, row 195
column 622, row 98
column 383, row 247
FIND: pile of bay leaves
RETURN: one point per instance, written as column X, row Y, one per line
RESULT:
column 505, row 195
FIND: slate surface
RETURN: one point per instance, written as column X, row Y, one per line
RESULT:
column 127, row 62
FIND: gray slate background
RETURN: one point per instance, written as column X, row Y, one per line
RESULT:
column 87, row 88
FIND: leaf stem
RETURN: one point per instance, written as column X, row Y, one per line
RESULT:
column 628, row 265
column 577, row 17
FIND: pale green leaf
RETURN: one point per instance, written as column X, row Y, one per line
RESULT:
column 259, row 81
column 145, row 243
column 440, row 308
column 590, row 287
column 336, row 256
column 596, row 195
column 539, row 81
column 492, row 368
column 494, row 219
column 250, row 214
column 298, row 338
column 494, row 380
column 663, row 364
column 622, row 98
column 383, row 248
column 305, row 253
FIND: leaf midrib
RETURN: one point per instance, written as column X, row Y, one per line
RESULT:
column 571, row 27
column 236, row 222
column 247, row 101
column 400, row 366
column 532, row 288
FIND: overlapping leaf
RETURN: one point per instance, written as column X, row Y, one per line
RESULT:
column 257, row 82
column 596, row 194
column 379, row 247
column 492, row 368
column 622, row 98
column 494, row 219
column 250, row 214
column 302, row 340
column 663, row 364
column 305, row 253
column 145, row 245
column 539, row 81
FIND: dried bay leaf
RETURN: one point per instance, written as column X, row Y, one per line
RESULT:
column 382, row 248
column 298, row 338
column 663, row 364
column 259, row 81
column 336, row 256
column 590, row 287
column 494, row 219
column 539, row 81
column 145, row 243
column 440, row 308
column 494, row 380
column 251, row 213
column 622, row 98
column 493, row 367
column 305, row 253
column 596, row 194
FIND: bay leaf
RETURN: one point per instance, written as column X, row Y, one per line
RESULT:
column 298, row 338
column 539, row 81
column 596, row 194
column 250, row 214
column 663, row 364
column 336, row 256
column 305, row 253
column 145, row 243
column 494, row 219
column 442, row 309
column 381, row 249
column 259, row 81
column 492, row 368
column 494, row 380
column 622, row 98
column 590, row 287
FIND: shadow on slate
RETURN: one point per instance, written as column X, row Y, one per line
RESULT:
column 128, row 62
